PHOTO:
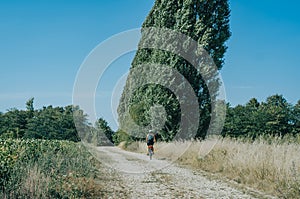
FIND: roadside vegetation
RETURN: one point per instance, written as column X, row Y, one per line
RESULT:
column 35, row 168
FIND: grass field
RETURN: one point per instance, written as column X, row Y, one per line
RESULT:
column 270, row 165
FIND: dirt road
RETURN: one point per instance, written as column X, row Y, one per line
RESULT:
column 132, row 175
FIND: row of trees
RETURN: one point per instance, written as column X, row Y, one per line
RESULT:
column 53, row 123
column 274, row 117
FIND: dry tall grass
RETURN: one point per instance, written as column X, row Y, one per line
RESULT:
column 270, row 166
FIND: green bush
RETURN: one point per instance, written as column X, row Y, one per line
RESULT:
column 121, row 136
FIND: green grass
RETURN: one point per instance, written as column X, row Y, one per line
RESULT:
column 47, row 169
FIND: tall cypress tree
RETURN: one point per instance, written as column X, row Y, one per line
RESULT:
column 205, row 21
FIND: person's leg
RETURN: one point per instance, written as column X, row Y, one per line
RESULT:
column 152, row 148
column 147, row 149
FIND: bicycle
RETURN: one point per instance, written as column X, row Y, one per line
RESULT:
column 150, row 151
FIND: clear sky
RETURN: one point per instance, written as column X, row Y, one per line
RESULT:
column 44, row 42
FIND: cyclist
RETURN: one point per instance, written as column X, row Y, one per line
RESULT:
column 150, row 139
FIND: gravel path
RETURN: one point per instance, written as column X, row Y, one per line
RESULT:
column 132, row 175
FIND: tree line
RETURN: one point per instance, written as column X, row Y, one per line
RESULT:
column 53, row 123
column 275, row 117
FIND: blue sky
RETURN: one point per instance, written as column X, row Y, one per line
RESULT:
column 43, row 43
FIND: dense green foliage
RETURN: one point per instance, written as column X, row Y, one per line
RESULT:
column 207, row 22
column 99, row 135
column 122, row 136
column 52, row 123
column 102, row 126
column 46, row 169
column 274, row 117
